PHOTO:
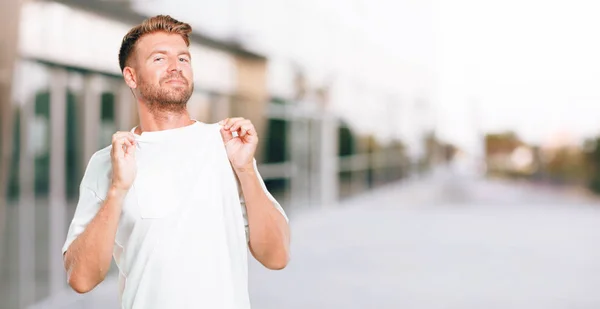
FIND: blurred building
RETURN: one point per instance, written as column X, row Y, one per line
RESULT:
column 68, row 98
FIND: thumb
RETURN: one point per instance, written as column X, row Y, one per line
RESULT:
column 227, row 135
column 130, row 150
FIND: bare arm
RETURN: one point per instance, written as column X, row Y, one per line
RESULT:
column 268, row 229
column 87, row 259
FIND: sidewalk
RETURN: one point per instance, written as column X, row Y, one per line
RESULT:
column 105, row 295
column 439, row 241
column 425, row 246
column 574, row 191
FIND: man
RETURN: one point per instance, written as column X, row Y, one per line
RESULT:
column 177, row 202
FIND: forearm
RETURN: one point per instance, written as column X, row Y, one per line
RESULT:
column 268, row 228
column 88, row 258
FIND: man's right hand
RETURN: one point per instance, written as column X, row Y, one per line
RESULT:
column 123, row 161
column 87, row 259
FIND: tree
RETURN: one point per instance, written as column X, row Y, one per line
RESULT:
column 592, row 159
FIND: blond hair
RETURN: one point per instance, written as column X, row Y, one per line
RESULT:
column 159, row 23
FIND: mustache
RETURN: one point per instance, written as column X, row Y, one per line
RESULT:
column 177, row 76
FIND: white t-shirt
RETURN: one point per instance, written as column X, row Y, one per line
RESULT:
column 182, row 236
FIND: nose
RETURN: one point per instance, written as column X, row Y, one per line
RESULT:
column 174, row 65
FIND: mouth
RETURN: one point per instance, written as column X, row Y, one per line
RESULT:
column 175, row 82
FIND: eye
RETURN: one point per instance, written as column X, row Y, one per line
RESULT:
column 157, row 59
column 182, row 59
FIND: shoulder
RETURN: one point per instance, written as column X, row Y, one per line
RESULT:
column 101, row 156
column 97, row 173
column 212, row 127
column 211, row 130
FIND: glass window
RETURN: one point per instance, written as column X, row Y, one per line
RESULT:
column 41, row 143
column 72, row 172
column 275, row 143
column 107, row 119
column 13, row 180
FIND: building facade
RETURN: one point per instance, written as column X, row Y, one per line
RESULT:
column 67, row 98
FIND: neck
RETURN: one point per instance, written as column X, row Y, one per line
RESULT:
column 158, row 120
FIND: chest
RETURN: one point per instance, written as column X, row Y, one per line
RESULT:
column 170, row 185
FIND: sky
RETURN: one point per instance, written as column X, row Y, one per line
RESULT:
column 530, row 66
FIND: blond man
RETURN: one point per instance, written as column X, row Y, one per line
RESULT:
column 176, row 202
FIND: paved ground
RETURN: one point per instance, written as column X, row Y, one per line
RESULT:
column 447, row 241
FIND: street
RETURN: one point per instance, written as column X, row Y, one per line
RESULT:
column 443, row 241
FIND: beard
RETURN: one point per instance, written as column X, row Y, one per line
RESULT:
column 162, row 98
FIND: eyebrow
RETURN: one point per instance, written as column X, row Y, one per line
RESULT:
column 161, row 51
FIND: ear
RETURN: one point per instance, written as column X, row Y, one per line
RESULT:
column 129, row 76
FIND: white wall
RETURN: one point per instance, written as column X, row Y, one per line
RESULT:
column 367, row 50
column 57, row 33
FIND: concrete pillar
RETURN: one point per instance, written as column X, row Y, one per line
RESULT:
column 301, row 155
column 134, row 113
column 325, row 180
column 8, row 54
column 124, row 110
column 9, row 14
column 90, row 119
column 315, row 157
column 219, row 107
column 332, row 175
column 252, row 95
column 58, row 207
column 26, row 212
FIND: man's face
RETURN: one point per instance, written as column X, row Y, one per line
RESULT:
column 163, row 71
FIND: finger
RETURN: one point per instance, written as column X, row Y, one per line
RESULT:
column 116, row 152
column 130, row 136
column 252, row 132
column 117, row 147
column 238, row 124
column 130, row 150
column 129, row 143
column 247, row 129
column 226, row 135
column 120, row 134
column 116, row 136
column 128, row 140
column 231, row 121
column 123, row 144
column 124, row 140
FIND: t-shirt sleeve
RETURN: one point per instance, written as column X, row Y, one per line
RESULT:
column 88, row 205
column 269, row 195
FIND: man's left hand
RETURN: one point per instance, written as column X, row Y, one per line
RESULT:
column 241, row 148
